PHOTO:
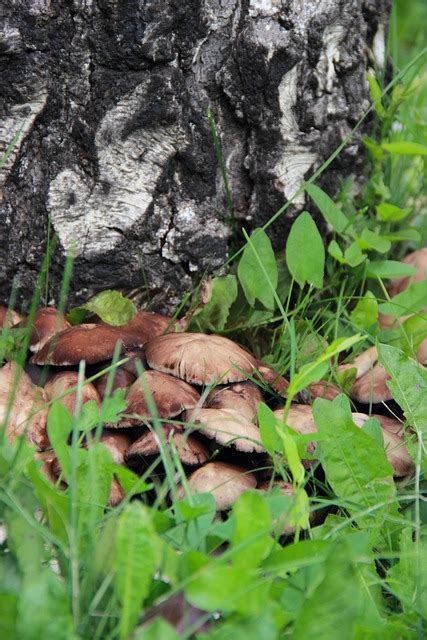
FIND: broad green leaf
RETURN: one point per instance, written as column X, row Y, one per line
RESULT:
column 411, row 235
column 218, row 587
column 8, row 614
column 371, row 240
column 157, row 629
column 405, row 148
column 292, row 458
column 251, row 541
column 411, row 300
column 408, row 578
column 298, row 555
column 43, row 610
column 256, row 285
column 365, row 313
column 408, row 386
column 389, row 269
column 387, row 212
column 263, row 626
column 135, row 564
column 341, row 600
column 353, row 256
column 111, row 306
column 267, row 422
column 329, row 210
column 373, row 429
column 305, row 253
column 336, row 252
column 213, row 314
column 355, row 465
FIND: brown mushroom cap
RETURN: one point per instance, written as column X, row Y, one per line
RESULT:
column 243, row 397
column 190, row 450
column 9, row 317
column 48, row 321
column 199, row 358
column 122, row 380
column 63, row 382
column 27, row 412
column 228, row 427
column 363, row 363
column 323, row 389
column 90, row 342
column 147, row 324
column 171, row 397
column 117, row 444
column 226, row 482
column 372, row 386
column 272, row 378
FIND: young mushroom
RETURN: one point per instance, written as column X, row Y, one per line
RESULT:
column 66, row 382
column 226, row 482
column 169, row 395
column 243, row 397
column 227, row 427
column 9, row 318
column 371, row 387
column 190, row 450
column 48, row 321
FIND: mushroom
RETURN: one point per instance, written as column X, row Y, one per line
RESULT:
column 228, row 427
column 395, row 447
column 277, row 382
column 9, row 317
column 22, row 406
column 371, row 387
column 191, row 451
column 48, row 321
column 117, row 444
column 300, row 419
column 389, row 424
column 226, row 482
column 199, row 358
column 147, row 325
column 67, row 381
column 363, row 363
column 122, row 379
column 243, row 397
column 321, row 389
column 93, row 343
column 170, row 396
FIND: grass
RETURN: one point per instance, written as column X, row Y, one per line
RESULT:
column 354, row 564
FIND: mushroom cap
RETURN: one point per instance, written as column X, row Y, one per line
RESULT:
column 300, row 419
column 147, row 325
column 416, row 259
column 272, row 378
column 117, row 493
column 372, row 387
column 171, row 397
column 48, row 321
column 323, row 389
column 199, row 358
column 395, row 447
column 117, row 444
column 90, row 342
column 122, row 380
column 191, row 451
column 363, row 363
column 63, row 382
column 27, row 411
column 228, row 427
column 9, row 317
column 226, row 482
column 243, row 397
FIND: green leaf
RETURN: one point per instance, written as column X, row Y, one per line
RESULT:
column 256, row 285
column 213, row 315
column 408, row 578
column 408, row 386
column 305, row 253
column 251, row 541
column 217, row 587
column 292, row 458
column 355, row 465
column 402, row 235
column 267, row 422
column 335, row 251
column 376, row 94
column 411, row 300
column 59, row 427
column 387, row 212
column 371, row 240
column 405, row 148
column 341, row 600
column 353, row 256
column 329, row 210
column 389, row 269
column 111, row 306
column 158, row 629
column 365, row 313
column 135, row 564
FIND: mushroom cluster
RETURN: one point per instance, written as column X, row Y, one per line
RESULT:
column 191, row 394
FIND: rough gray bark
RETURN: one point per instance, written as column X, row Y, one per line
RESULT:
column 115, row 146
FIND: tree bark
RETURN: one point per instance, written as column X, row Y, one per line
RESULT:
column 115, row 147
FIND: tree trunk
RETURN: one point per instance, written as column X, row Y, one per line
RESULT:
column 116, row 149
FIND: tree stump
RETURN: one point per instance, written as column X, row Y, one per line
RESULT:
column 115, row 148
